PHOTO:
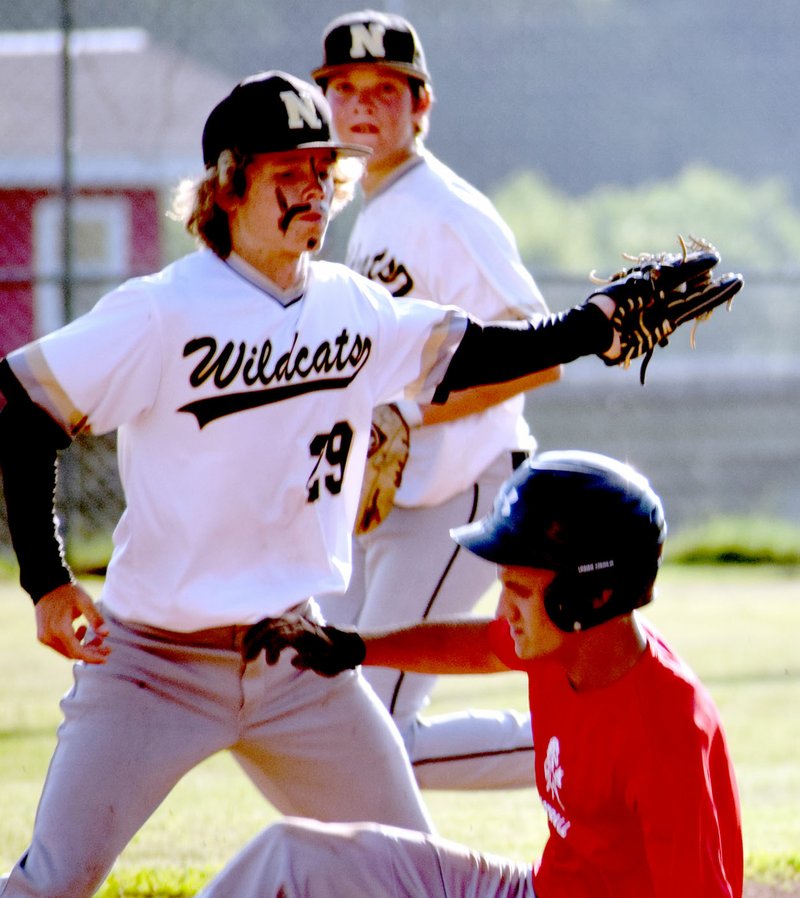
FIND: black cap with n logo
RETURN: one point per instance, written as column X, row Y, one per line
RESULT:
column 375, row 38
column 271, row 112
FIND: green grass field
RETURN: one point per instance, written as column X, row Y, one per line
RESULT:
column 736, row 625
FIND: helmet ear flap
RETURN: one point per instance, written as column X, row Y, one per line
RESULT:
column 575, row 603
column 558, row 605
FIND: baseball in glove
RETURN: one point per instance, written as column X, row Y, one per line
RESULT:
column 660, row 292
column 386, row 459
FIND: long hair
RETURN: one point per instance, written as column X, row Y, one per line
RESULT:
column 195, row 204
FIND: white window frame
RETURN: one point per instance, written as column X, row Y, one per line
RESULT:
column 112, row 214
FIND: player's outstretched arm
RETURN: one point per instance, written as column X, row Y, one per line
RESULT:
column 436, row 647
column 457, row 646
column 626, row 317
column 470, row 402
column 497, row 352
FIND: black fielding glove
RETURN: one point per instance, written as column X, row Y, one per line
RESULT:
column 661, row 292
column 320, row 647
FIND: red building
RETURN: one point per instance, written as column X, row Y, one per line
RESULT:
column 137, row 115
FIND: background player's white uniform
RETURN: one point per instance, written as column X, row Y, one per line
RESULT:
column 243, row 425
column 426, row 232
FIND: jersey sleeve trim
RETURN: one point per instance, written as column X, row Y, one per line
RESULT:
column 31, row 369
column 437, row 353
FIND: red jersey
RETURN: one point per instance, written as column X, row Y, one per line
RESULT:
column 635, row 779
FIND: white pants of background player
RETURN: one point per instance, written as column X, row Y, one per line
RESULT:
column 409, row 569
column 306, row 859
column 162, row 703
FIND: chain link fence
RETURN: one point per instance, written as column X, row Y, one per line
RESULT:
column 94, row 139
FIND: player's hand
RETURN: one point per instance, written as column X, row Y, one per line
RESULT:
column 56, row 616
column 324, row 649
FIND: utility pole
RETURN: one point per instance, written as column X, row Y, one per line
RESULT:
column 66, row 158
column 68, row 468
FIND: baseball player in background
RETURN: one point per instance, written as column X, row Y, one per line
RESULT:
column 424, row 231
column 241, row 381
column 632, row 766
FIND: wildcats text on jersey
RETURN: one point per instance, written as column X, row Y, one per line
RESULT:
column 252, row 365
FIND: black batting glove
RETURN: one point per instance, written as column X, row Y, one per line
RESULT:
column 322, row 648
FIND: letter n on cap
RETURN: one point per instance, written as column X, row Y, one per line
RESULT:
column 299, row 109
column 367, row 40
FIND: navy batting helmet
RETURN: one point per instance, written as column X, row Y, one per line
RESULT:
column 593, row 520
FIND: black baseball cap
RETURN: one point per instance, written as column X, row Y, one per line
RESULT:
column 272, row 112
column 372, row 37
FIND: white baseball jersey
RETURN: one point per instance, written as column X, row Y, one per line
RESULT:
column 242, row 428
column 428, row 233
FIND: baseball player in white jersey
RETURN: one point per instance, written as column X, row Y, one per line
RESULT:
column 424, row 231
column 241, row 381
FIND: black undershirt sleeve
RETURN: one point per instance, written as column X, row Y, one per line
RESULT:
column 495, row 352
column 29, row 444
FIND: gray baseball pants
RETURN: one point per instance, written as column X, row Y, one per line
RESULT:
column 164, row 702
column 307, row 859
column 409, row 569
